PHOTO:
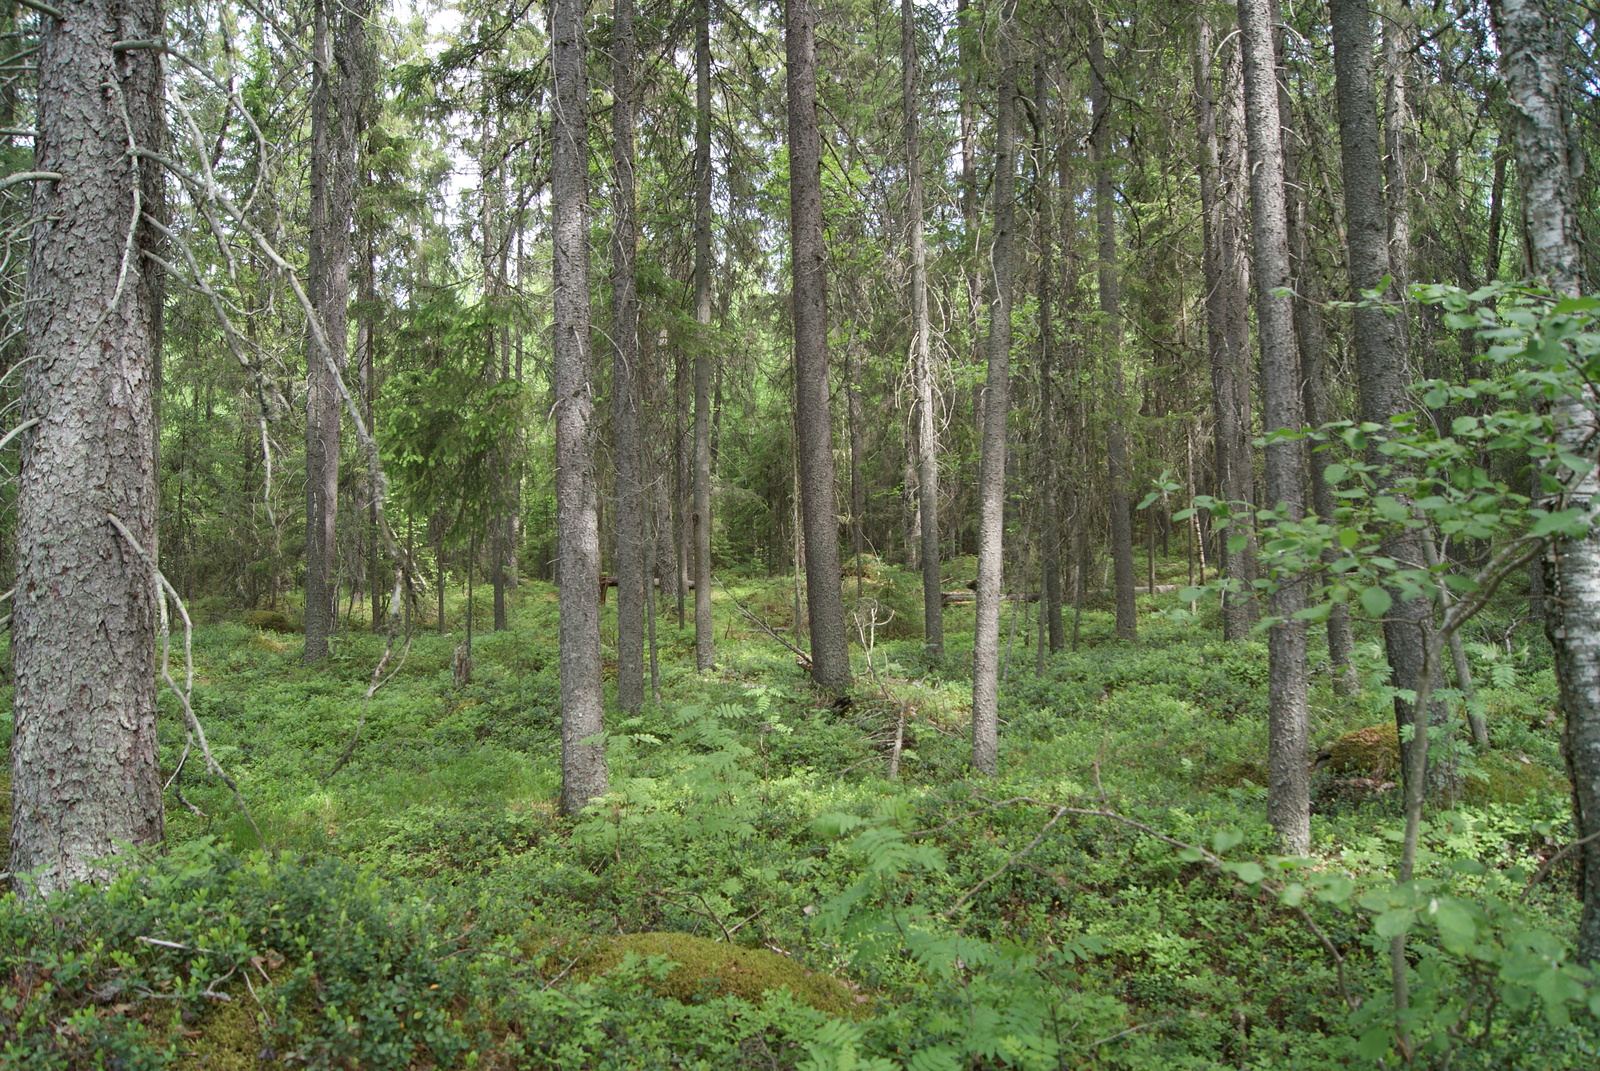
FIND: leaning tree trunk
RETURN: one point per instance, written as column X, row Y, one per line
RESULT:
column 830, row 652
column 1111, row 309
column 705, row 655
column 1378, row 329
column 85, row 781
column 583, row 759
column 1288, row 715
column 997, row 403
column 1532, row 48
column 625, row 374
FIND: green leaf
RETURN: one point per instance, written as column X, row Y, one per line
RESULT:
column 1237, row 543
column 1226, row 839
column 1336, row 890
column 1375, row 601
column 1394, row 922
column 1349, row 538
column 1568, row 306
column 1249, row 873
column 1293, row 894
column 1191, row 855
column 1457, row 928
column 1374, row 1044
column 1314, row 614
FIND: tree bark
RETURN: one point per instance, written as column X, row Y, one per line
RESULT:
column 1227, row 317
column 84, row 770
column 1288, row 716
column 1049, row 501
column 921, row 348
column 830, row 653
column 583, row 760
column 630, row 552
column 339, row 75
column 997, row 401
column 705, row 655
column 1532, row 52
column 1378, row 335
column 1111, row 310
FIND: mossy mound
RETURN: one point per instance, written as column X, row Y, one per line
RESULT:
column 1502, row 778
column 1370, row 752
column 710, row 969
column 269, row 621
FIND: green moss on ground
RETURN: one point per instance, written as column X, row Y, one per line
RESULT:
column 710, row 969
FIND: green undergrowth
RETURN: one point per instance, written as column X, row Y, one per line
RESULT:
column 755, row 892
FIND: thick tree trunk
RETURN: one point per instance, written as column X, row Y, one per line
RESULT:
column 339, row 76
column 83, row 752
column 705, row 655
column 1227, row 315
column 583, row 761
column 630, row 554
column 997, row 402
column 921, row 348
column 830, row 653
column 1378, row 334
column 1532, row 52
column 1111, row 310
column 1288, row 716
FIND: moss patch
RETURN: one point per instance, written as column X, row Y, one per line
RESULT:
column 1502, row 778
column 1370, row 752
column 706, row 968
column 230, row 1039
column 269, row 621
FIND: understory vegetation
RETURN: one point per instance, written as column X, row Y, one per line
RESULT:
column 756, row 892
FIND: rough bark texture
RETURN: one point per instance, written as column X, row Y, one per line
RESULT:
column 1378, row 333
column 83, row 752
column 1227, row 311
column 1111, row 309
column 630, row 554
column 340, row 72
column 997, row 403
column 583, row 765
column 830, row 653
column 705, row 654
column 1288, row 716
column 1531, row 54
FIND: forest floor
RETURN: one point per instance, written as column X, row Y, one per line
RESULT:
column 1110, row 901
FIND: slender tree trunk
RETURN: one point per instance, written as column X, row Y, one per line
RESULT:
column 1532, row 54
column 1227, row 322
column 1312, row 341
column 1378, row 331
column 705, row 655
column 858, row 505
column 1111, row 309
column 84, row 770
column 583, row 760
column 830, row 653
column 1045, row 232
column 630, row 552
column 1288, row 717
column 997, row 401
column 922, row 350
